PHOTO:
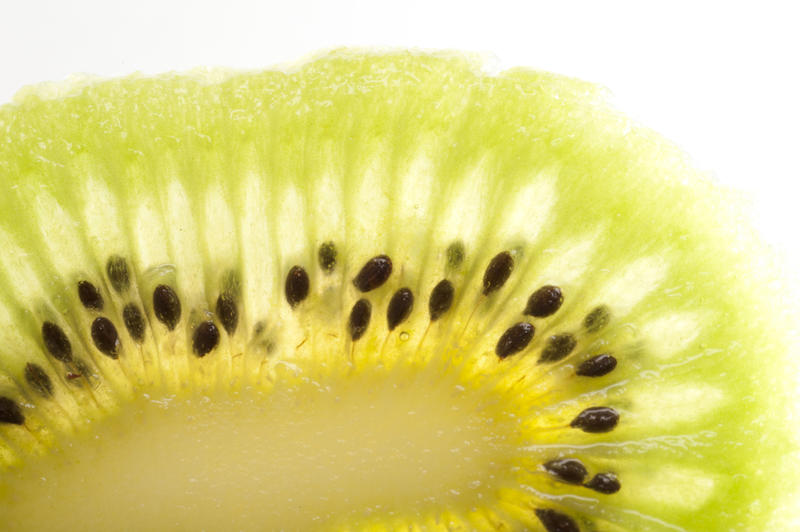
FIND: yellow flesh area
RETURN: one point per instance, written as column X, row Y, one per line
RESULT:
column 296, row 457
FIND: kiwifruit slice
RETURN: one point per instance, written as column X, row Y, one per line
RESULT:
column 378, row 292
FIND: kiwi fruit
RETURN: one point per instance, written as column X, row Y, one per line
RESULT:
column 380, row 291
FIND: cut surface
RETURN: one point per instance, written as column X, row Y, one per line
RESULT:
column 379, row 292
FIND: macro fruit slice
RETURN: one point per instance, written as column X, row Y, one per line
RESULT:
column 377, row 292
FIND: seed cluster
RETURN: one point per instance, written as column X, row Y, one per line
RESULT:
column 572, row 471
column 544, row 302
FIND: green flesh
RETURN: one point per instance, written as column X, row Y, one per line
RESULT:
column 216, row 186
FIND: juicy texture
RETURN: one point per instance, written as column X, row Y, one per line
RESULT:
column 212, row 192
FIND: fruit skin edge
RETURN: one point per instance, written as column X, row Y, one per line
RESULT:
column 728, row 210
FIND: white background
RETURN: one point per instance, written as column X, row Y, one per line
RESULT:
column 719, row 78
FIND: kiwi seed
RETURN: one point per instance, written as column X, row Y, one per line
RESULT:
column 558, row 347
column 597, row 319
column 359, row 319
column 554, row 521
column 606, row 483
column 90, row 296
column 455, row 254
column 105, row 337
column 567, row 470
column 400, row 307
column 515, row 339
column 117, row 271
column 597, row 366
column 327, row 256
column 373, row 274
column 441, row 299
column 167, row 306
column 38, row 379
column 56, row 342
column 497, row 272
column 227, row 312
column 134, row 322
column 10, row 412
column 544, row 302
column 596, row 419
column 205, row 338
column 297, row 286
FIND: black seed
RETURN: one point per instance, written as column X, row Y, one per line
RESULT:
column 558, row 347
column 556, row 522
column 359, row 319
column 597, row 319
column 134, row 322
column 374, row 273
column 604, row 483
column 498, row 272
column 10, row 412
column 38, row 379
column 400, row 307
column 297, row 285
column 455, row 254
column 327, row 256
column 441, row 299
column 597, row 366
column 117, row 271
column 105, row 337
column 166, row 306
column 56, row 342
column 205, row 339
column 544, row 302
column 596, row 419
column 567, row 470
column 515, row 339
column 90, row 296
column 227, row 313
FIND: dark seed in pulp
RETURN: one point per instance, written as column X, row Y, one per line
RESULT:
column 568, row 470
column 604, row 483
column 455, row 254
column 56, row 342
column 327, row 256
column 166, row 306
column 515, row 339
column 400, row 307
column 117, row 271
column 38, row 379
column 597, row 366
column 544, row 302
column 554, row 521
column 359, row 319
column 498, row 272
column 90, row 296
column 597, row 319
column 134, row 322
column 297, row 286
column 105, row 337
column 205, row 339
column 227, row 312
column 374, row 273
column 558, row 347
column 596, row 419
column 441, row 299
column 10, row 412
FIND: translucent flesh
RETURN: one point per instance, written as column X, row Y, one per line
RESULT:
column 207, row 184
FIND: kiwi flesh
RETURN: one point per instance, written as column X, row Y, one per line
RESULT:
column 377, row 292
